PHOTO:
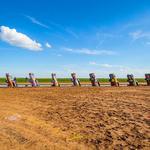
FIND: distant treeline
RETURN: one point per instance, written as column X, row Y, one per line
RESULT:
column 67, row 80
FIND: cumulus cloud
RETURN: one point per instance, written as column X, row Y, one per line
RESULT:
column 48, row 45
column 90, row 52
column 17, row 39
column 35, row 21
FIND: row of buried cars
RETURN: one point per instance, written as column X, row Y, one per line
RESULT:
column 12, row 82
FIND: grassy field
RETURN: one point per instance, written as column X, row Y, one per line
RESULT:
column 67, row 80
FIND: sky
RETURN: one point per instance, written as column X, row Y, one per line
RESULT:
column 82, row 36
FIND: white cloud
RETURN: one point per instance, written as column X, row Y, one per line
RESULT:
column 35, row 21
column 66, row 29
column 92, row 63
column 139, row 34
column 119, row 69
column 71, row 33
column 106, row 65
column 48, row 45
column 103, row 65
column 90, row 52
column 59, row 55
column 148, row 43
column 17, row 39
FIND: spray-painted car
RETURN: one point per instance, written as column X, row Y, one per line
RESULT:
column 94, row 80
column 11, row 82
column 54, row 80
column 147, row 78
column 33, row 80
column 131, row 80
column 113, row 80
column 75, row 80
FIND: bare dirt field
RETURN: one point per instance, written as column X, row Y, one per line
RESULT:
column 70, row 118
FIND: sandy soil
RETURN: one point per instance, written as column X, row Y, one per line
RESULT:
column 69, row 118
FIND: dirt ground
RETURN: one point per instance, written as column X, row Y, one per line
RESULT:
column 70, row 118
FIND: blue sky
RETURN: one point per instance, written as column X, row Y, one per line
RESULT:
column 82, row 36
